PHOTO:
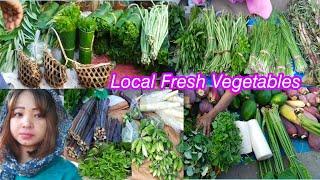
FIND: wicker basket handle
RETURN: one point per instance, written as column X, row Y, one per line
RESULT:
column 61, row 46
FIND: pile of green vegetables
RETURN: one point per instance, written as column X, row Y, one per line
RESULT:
column 176, row 24
column 124, row 37
column 273, row 46
column 107, row 160
column 195, row 148
column 207, row 157
column 304, row 18
column 153, row 145
column 219, row 42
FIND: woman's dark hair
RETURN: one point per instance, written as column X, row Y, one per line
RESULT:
column 46, row 104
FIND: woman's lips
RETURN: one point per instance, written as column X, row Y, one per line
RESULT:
column 26, row 135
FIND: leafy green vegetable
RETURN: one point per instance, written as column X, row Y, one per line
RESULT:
column 106, row 160
column 195, row 149
column 87, row 24
column 225, row 141
column 67, row 18
column 195, row 38
column 18, row 39
column 73, row 99
column 240, row 54
column 154, row 145
column 48, row 10
column 3, row 95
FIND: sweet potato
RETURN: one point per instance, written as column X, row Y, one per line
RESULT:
column 291, row 129
column 303, row 90
column 314, row 142
column 313, row 110
column 302, row 133
column 313, row 99
column 314, row 90
column 292, row 94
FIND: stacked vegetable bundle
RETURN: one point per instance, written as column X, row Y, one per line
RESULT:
column 304, row 18
column 92, row 125
column 123, row 33
column 222, row 43
column 65, row 22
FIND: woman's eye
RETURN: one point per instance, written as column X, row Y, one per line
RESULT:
column 38, row 116
column 17, row 114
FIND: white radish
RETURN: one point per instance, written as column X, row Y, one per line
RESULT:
column 154, row 106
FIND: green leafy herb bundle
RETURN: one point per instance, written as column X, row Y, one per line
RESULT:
column 87, row 24
column 176, row 26
column 106, row 160
column 192, row 44
column 195, row 148
column 67, row 18
column 153, row 144
column 240, row 50
column 225, row 141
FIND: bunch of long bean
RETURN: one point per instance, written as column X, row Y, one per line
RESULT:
column 225, row 29
column 154, row 31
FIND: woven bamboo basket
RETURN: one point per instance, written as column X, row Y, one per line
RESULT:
column 29, row 71
column 55, row 72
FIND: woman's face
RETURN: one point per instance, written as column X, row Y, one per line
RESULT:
column 27, row 126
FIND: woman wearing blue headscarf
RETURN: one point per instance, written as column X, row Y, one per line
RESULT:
column 34, row 126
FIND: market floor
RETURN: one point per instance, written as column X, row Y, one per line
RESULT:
column 251, row 171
